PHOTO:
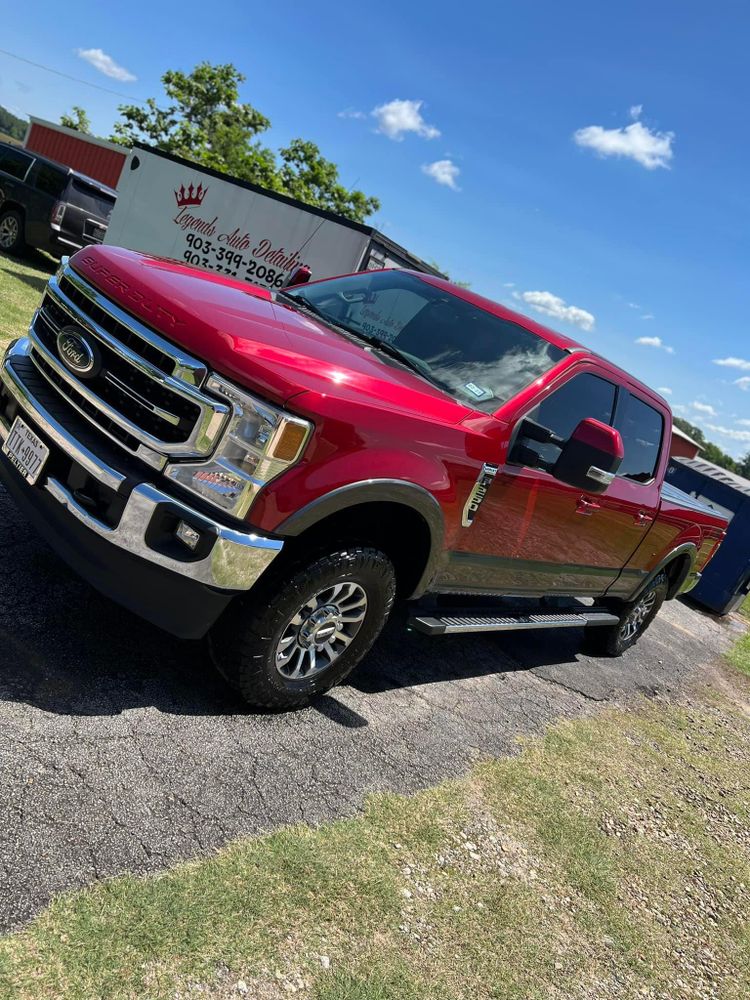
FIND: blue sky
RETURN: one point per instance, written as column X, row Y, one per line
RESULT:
column 585, row 164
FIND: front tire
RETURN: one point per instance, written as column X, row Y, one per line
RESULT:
column 304, row 630
column 11, row 231
column 635, row 617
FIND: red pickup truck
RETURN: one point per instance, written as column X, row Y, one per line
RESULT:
column 275, row 469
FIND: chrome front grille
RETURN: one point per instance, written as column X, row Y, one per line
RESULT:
column 145, row 393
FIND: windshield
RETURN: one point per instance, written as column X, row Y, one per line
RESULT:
column 478, row 358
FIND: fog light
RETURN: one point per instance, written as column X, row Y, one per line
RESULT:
column 187, row 535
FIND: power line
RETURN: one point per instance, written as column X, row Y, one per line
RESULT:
column 67, row 76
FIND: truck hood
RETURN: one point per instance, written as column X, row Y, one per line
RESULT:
column 238, row 330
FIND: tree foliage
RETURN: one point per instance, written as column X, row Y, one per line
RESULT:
column 77, row 119
column 712, row 452
column 205, row 121
column 12, row 125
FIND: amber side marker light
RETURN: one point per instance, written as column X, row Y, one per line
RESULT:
column 289, row 442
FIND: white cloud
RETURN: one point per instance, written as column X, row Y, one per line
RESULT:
column 553, row 305
column 664, row 390
column 743, row 383
column 729, row 432
column 635, row 111
column 743, row 423
column 509, row 284
column 647, row 316
column 654, row 342
column 650, row 149
column 740, row 363
column 633, row 305
column 351, row 113
column 679, row 408
column 106, row 64
column 704, row 408
column 398, row 117
column 444, row 172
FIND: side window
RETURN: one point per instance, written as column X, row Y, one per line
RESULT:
column 642, row 428
column 49, row 179
column 582, row 396
column 14, row 162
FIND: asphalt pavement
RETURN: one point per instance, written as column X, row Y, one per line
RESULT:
column 122, row 751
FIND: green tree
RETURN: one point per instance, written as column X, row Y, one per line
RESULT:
column 710, row 451
column 743, row 466
column 713, row 453
column 12, row 125
column 690, row 429
column 77, row 119
column 206, row 122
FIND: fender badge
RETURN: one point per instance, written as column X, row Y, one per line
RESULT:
column 478, row 493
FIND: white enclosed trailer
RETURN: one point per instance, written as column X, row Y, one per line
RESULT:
column 171, row 207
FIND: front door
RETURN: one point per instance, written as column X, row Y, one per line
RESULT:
column 534, row 535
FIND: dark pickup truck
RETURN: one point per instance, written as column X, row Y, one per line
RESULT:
column 48, row 206
column 275, row 468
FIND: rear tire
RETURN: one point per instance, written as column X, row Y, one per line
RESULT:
column 11, row 231
column 635, row 617
column 304, row 630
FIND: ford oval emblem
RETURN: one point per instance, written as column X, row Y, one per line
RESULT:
column 75, row 351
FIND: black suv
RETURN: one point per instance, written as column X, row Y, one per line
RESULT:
column 48, row 206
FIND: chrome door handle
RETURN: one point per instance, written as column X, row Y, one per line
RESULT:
column 643, row 518
column 586, row 506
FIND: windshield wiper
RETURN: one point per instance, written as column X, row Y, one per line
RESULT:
column 382, row 345
column 406, row 359
column 300, row 300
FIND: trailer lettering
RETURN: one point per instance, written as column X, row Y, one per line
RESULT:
column 236, row 240
column 186, row 220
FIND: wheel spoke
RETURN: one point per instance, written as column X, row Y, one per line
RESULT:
column 312, row 656
column 321, row 630
column 353, row 618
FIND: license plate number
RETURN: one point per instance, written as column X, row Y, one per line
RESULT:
column 25, row 451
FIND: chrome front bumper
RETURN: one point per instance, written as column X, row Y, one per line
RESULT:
column 236, row 558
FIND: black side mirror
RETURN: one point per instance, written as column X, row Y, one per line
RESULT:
column 590, row 457
column 523, row 454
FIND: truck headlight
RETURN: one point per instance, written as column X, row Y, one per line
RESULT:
column 259, row 444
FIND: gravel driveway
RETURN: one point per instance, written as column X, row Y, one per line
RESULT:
column 120, row 750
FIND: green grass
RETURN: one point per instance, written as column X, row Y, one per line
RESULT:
column 21, row 283
column 602, row 861
column 745, row 608
column 739, row 655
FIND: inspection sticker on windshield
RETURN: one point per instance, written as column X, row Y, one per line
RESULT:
column 478, row 391
column 25, row 451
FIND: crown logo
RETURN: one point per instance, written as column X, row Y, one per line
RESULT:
column 191, row 196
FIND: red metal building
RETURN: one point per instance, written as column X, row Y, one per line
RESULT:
column 94, row 157
column 682, row 444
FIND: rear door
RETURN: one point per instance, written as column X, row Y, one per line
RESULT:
column 635, row 494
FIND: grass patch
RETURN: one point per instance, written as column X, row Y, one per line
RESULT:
column 611, row 858
column 745, row 607
column 21, row 283
column 739, row 655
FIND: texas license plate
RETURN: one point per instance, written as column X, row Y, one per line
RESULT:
column 25, row 451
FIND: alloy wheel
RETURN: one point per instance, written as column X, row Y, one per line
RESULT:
column 635, row 621
column 320, row 631
column 8, row 232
